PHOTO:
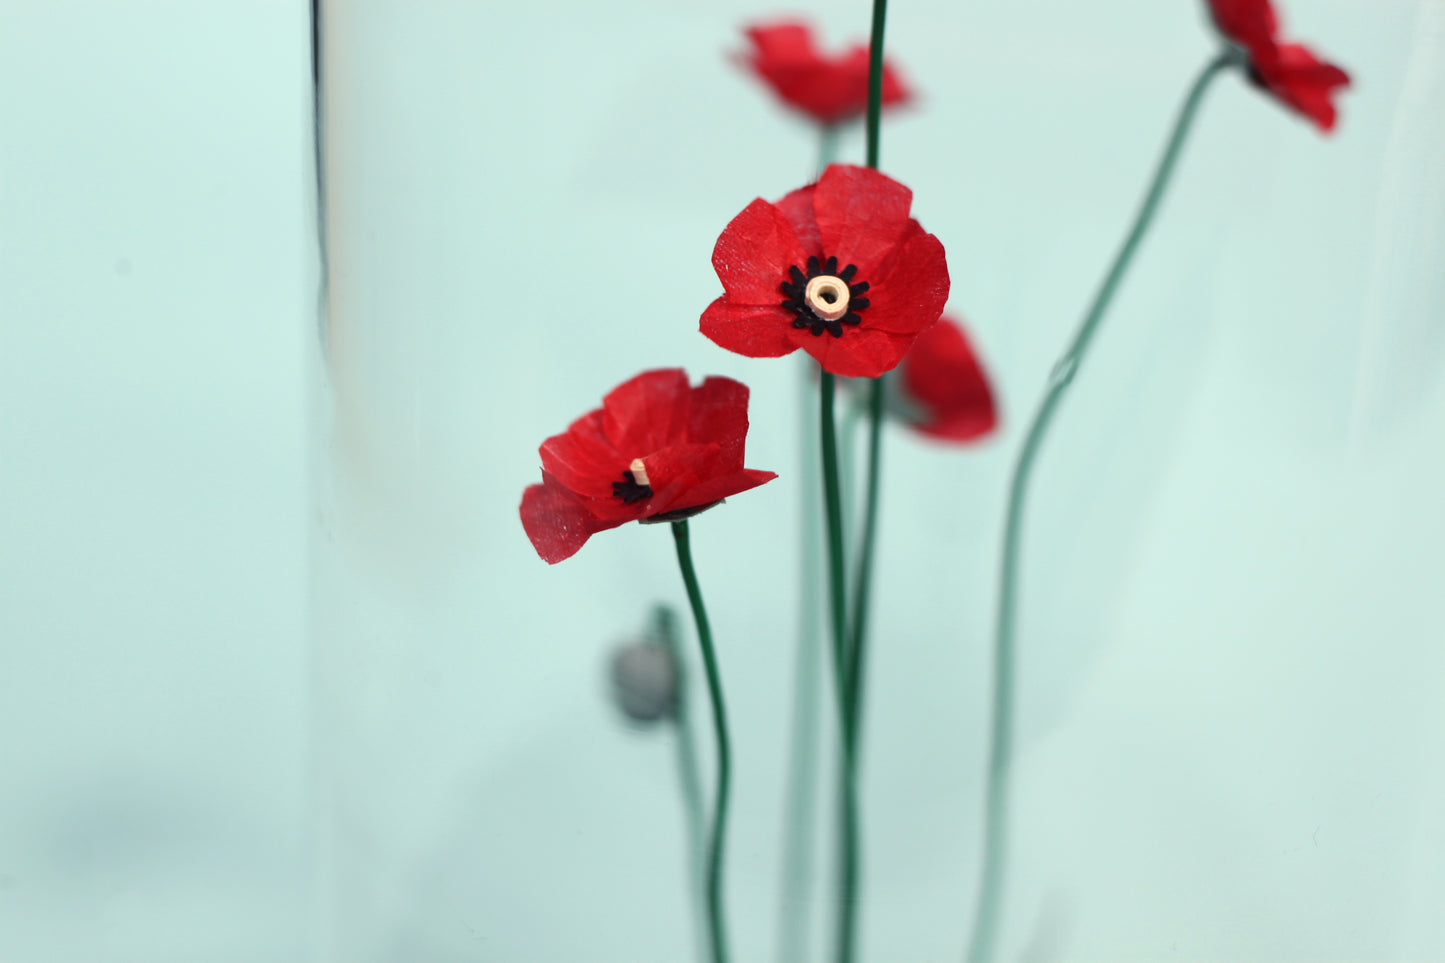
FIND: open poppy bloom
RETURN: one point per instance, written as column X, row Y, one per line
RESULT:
column 942, row 389
column 829, row 89
column 1291, row 72
column 657, row 450
column 837, row 268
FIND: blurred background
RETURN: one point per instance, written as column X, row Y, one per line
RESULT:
column 282, row 679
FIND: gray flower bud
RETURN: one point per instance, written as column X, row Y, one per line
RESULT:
column 645, row 681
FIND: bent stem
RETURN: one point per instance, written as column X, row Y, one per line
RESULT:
column 986, row 915
column 689, row 777
column 803, row 747
column 838, row 606
column 716, row 927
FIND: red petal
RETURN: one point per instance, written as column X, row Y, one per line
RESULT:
column 648, row 412
column 860, row 353
column 861, row 215
column 911, row 296
column 797, row 207
column 827, row 88
column 753, row 254
column 556, row 520
column 785, row 40
column 1250, row 23
column 943, row 377
column 1303, row 82
column 675, row 471
column 583, row 459
column 720, row 417
column 754, row 331
column 724, row 486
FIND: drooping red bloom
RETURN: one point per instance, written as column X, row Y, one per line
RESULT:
column 1291, row 72
column 836, row 268
column 829, row 89
column 1302, row 82
column 944, row 391
column 657, row 450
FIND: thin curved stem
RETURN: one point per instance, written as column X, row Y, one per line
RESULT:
column 986, row 917
column 838, row 609
column 664, row 627
column 716, row 925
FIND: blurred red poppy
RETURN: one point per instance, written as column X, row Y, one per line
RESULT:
column 657, row 450
column 1290, row 72
column 828, row 88
column 943, row 390
column 824, row 247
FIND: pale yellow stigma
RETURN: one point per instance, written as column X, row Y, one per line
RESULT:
column 639, row 472
column 827, row 297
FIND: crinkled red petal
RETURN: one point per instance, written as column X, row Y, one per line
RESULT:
column 861, row 215
column 752, row 255
column 861, row 352
column 911, row 296
column 724, row 486
column 647, row 412
column 719, row 416
column 583, row 459
column 557, row 521
column 674, row 471
column 797, row 207
column 754, row 331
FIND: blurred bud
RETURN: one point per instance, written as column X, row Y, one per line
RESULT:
column 645, row 680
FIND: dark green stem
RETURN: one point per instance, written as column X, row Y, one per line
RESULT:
column 689, row 778
column 847, row 653
column 838, row 606
column 864, row 575
column 986, row 918
column 803, row 750
column 716, row 927
column 875, row 80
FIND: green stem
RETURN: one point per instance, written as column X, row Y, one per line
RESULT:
column 803, row 750
column 864, row 575
column 846, row 655
column 986, row 918
column 838, row 605
column 827, row 147
column 716, row 926
column 689, row 777
column 875, row 80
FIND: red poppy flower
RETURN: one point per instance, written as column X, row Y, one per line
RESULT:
column 829, row 89
column 657, row 450
column 944, row 391
column 823, row 247
column 1291, row 72
column 1301, row 81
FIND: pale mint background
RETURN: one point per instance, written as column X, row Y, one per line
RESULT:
column 281, row 678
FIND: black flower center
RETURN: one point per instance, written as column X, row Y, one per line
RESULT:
column 629, row 490
column 824, row 298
